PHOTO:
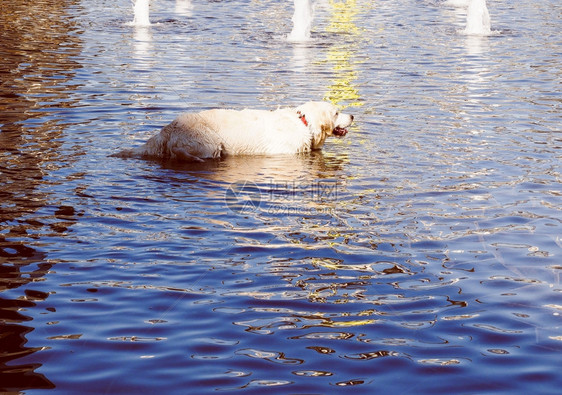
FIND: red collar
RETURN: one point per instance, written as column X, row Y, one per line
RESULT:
column 302, row 117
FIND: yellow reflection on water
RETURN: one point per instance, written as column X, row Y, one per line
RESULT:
column 343, row 90
column 343, row 17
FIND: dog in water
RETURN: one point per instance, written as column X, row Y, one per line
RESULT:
column 220, row 132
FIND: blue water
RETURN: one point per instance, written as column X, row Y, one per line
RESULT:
column 419, row 254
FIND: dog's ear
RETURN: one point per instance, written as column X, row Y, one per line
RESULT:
column 318, row 117
column 322, row 121
column 327, row 128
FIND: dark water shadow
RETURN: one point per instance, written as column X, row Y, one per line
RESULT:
column 38, row 53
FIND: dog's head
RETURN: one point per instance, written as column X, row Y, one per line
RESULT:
column 323, row 119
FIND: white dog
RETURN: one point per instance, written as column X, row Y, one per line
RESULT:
column 217, row 133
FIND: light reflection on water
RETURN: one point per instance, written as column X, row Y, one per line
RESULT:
column 420, row 252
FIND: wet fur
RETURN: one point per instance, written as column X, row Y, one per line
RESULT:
column 221, row 132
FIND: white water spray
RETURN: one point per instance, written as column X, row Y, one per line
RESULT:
column 184, row 7
column 141, row 11
column 457, row 3
column 477, row 19
column 302, row 21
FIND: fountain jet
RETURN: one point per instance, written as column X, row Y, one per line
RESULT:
column 477, row 19
column 457, row 3
column 302, row 21
column 141, row 11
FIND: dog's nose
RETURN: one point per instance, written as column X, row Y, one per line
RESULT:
column 352, row 118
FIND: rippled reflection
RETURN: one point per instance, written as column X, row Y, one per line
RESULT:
column 36, row 75
column 419, row 253
column 343, row 88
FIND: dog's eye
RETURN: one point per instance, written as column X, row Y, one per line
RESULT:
column 337, row 113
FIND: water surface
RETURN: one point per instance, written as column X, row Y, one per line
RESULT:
column 419, row 253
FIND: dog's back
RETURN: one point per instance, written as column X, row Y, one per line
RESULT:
column 221, row 132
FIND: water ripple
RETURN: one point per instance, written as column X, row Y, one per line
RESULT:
column 419, row 253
